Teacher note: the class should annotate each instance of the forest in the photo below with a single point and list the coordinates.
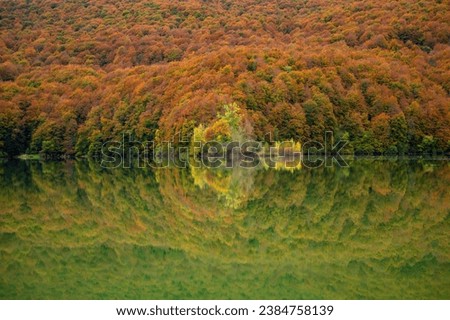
(75, 74)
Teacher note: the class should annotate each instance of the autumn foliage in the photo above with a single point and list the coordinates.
(75, 74)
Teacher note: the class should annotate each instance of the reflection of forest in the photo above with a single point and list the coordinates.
(377, 229)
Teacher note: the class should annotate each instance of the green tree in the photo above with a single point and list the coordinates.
(398, 133)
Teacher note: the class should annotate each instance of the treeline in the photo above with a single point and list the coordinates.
(77, 74)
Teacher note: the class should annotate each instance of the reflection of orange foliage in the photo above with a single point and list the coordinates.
(173, 189)
(219, 183)
(63, 205)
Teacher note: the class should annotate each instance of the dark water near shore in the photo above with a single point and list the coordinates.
(378, 229)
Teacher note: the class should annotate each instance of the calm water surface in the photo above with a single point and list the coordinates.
(378, 229)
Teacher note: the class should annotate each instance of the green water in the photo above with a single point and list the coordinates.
(378, 229)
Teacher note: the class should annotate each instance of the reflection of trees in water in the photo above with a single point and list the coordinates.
(369, 195)
(373, 219)
(234, 186)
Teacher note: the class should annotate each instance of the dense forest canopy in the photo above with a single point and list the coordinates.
(75, 74)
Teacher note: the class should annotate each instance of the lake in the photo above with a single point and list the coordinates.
(377, 229)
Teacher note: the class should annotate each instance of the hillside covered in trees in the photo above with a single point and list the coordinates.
(77, 73)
